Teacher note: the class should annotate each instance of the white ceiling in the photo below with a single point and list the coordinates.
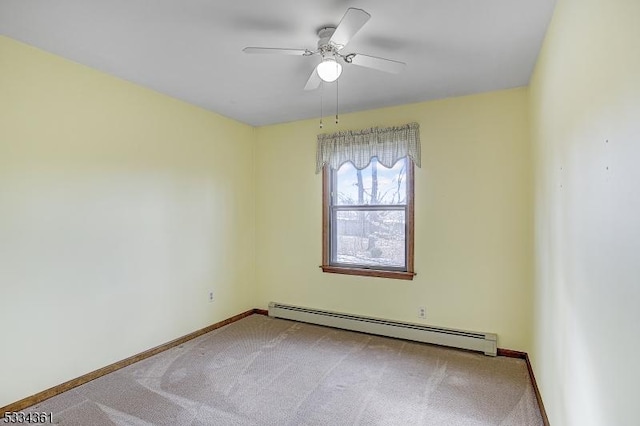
(192, 49)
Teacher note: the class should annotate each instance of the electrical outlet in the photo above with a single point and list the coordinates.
(422, 312)
(210, 296)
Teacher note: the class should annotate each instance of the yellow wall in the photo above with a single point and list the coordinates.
(119, 209)
(586, 134)
(473, 219)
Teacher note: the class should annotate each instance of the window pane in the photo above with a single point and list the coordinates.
(374, 184)
(371, 238)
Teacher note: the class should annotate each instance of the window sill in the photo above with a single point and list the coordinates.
(398, 275)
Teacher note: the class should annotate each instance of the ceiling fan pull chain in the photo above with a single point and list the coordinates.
(337, 101)
(321, 96)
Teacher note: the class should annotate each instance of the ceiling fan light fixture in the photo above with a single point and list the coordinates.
(329, 69)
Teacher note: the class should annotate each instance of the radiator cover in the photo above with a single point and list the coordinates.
(475, 341)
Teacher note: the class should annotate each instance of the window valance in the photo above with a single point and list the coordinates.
(388, 144)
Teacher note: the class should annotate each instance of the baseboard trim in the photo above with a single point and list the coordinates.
(56, 390)
(261, 312)
(525, 356)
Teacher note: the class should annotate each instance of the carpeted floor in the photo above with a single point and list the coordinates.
(265, 371)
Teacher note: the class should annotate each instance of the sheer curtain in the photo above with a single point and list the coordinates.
(388, 144)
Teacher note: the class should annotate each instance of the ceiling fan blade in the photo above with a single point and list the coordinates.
(274, 50)
(351, 22)
(381, 64)
(314, 81)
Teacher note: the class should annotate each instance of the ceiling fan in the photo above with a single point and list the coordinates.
(332, 41)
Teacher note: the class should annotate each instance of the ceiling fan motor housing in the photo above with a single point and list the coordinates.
(325, 35)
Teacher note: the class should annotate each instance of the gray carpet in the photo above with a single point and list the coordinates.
(265, 371)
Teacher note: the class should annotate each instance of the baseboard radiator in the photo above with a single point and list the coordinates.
(481, 342)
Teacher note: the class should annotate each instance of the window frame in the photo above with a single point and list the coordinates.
(328, 179)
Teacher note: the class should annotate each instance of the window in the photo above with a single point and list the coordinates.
(368, 219)
(367, 193)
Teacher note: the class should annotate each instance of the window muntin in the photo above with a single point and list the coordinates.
(369, 220)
